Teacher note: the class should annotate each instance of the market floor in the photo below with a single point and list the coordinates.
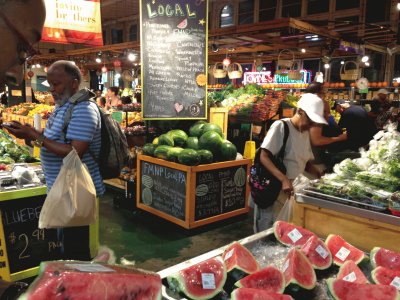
(155, 244)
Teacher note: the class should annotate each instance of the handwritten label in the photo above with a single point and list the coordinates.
(285, 266)
(322, 252)
(350, 277)
(208, 281)
(90, 268)
(343, 253)
(396, 282)
(295, 235)
(229, 254)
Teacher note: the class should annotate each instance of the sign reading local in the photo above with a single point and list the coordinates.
(174, 59)
(265, 77)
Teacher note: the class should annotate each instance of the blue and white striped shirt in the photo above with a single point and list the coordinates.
(85, 125)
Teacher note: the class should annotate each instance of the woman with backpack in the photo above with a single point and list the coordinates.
(297, 154)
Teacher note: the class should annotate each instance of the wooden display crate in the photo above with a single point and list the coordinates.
(192, 196)
(219, 116)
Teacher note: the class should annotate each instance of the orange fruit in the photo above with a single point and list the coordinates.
(379, 84)
(341, 84)
(384, 84)
(373, 84)
(395, 84)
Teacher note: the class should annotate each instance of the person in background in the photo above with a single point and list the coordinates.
(101, 102)
(98, 93)
(298, 156)
(82, 133)
(380, 109)
(138, 97)
(113, 99)
(4, 99)
(126, 100)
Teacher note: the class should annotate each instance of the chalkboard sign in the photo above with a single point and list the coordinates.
(25, 245)
(220, 191)
(174, 59)
(163, 188)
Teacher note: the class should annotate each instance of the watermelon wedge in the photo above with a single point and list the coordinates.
(201, 281)
(255, 294)
(345, 290)
(349, 271)
(385, 258)
(316, 251)
(298, 270)
(291, 235)
(238, 257)
(384, 276)
(269, 279)
(343, 251)
(86, 280)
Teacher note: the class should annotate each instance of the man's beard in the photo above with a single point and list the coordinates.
(63, 98)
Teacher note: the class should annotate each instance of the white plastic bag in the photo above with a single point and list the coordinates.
(72, 199)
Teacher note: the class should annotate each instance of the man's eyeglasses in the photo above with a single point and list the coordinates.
(24, 48)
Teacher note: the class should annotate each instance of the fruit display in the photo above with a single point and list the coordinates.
(298, 271)
(135, 130)
(30, 109)
(276, 85)
(217, 86)
(317, 253)
(350, 271)
(127, 92)
(256, 294)
(44, 97)
(381, 257)
(291, 235)
(132, 107)
(11, 152)
(269, 279)
(42, 109)
(342, 251)
(203, 144)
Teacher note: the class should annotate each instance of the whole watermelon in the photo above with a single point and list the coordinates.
(206, 157)
(212, 127)
(189, 157)
(197, 129)
(227, 151)
(166, 139)
(192, 143)
(179, 136)
(172, 153)
(148, 149)
(161, 151)
(211, 141)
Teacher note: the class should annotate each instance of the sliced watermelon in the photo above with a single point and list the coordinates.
(316, 251)
(349, 271)
(298, 270)
(238, 257)
(385, 258)
(343, 251)
(345, 290)
(201, 281)
(385, 276)
(269, 279)
(291, 235)
(255, 294)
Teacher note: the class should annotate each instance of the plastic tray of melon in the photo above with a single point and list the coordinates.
(267, 251)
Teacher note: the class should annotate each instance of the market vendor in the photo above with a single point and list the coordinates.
(380, 109)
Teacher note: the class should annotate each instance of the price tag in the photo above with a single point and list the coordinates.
(90, 268)
(322, 252)
(28, 185)
(343, 253)
(285, 266)
(229, 254)
(13, 187)
(295, 235)
(208, 281)
(351, 277)
(396, 282)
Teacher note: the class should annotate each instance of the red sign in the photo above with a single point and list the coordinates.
(257, 77)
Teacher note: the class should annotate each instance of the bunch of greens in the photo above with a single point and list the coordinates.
(347, 168)
(11, 152)
(379, 180)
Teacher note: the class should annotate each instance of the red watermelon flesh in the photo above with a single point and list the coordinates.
(255, 294)
(238, 257)
(269, 279)
(384, 276)
(84, 280)
(385, 258)
(291, 235)
(349, 271)
(317, 252)
(343, 251)
(345, 290)
(201, 281)
(298, 270)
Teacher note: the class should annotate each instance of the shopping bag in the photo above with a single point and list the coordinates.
(72, 199)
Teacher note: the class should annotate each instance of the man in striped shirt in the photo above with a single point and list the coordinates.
(83, 133)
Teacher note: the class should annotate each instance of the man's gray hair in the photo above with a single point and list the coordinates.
(70, 68)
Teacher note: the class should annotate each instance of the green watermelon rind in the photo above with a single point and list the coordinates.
(237, 266)
(227, 150)
(374, 251)
(172, 153)
(393, 256)
(165, 140)
(279, 239)
(375, 272)
(192, 143)
(161, 151)
(188, 157)
(179, 136)
(176, 283)
(361, 260)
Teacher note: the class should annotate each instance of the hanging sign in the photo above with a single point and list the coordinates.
(73, 21)
(265, 77)
(174, 59)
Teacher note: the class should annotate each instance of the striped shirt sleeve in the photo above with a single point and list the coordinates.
(84, 122)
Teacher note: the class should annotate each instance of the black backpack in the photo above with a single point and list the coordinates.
(114, 152)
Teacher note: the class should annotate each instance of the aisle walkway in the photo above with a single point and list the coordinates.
(155, 244)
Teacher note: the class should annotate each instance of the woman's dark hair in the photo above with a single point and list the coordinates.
(102, 101)
(114, 89)
(126, 99)
(315, 88)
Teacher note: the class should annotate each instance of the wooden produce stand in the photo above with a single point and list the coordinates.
(219, 116)
(22, 245)
(362, 228)
(192, 196)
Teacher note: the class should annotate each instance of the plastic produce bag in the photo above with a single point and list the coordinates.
(24, 175)
(72, 199)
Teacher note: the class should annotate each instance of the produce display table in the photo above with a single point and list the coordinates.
(192, 196)
(363, 228)
(22, 245)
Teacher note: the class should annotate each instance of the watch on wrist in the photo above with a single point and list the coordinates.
(39, 141)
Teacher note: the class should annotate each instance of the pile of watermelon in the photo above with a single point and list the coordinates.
(204, 144)
(238, 273)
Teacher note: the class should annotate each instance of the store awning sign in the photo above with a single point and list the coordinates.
(265, 77)
(73, 22)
